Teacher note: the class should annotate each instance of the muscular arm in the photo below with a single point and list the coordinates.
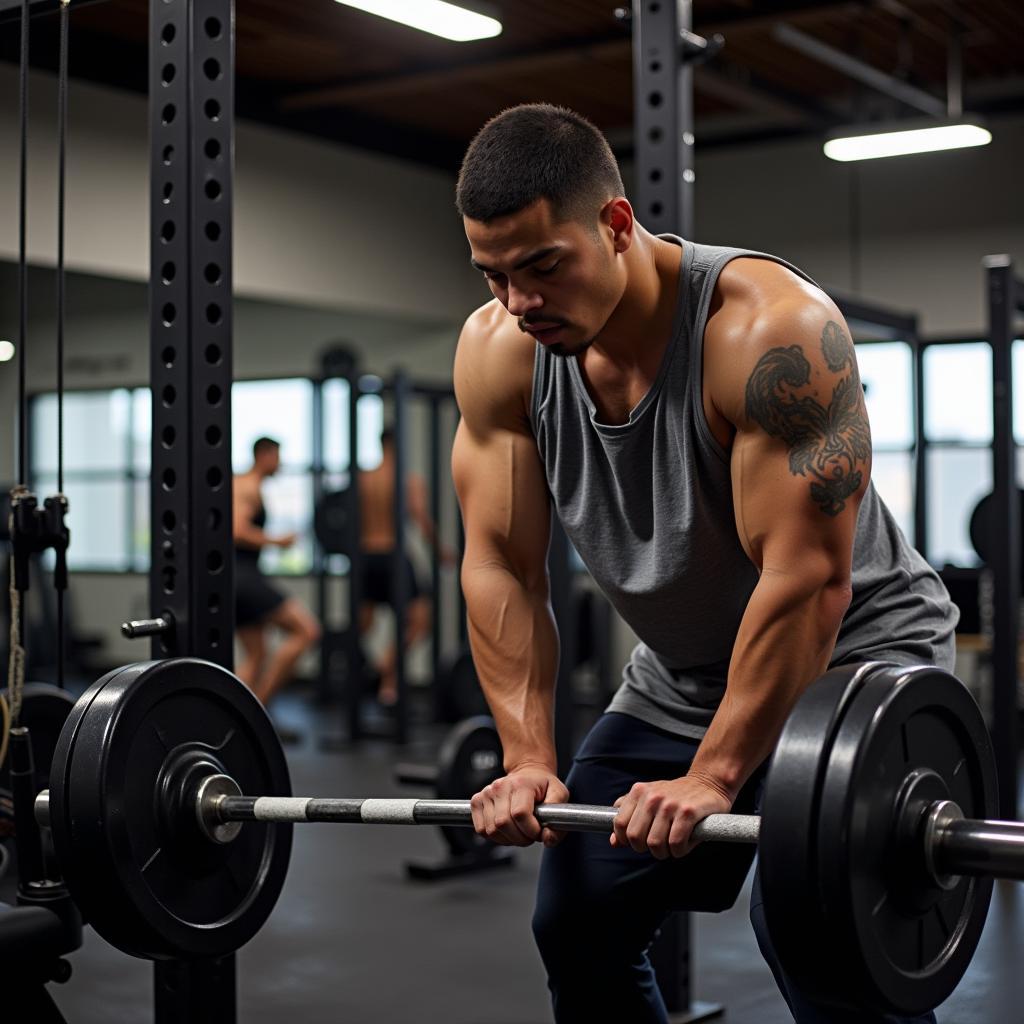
(800, 465)
(506, 512)
(785, 385)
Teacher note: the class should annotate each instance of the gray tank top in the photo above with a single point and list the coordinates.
(648, 506)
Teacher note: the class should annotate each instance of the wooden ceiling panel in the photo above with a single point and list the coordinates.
(324, 68)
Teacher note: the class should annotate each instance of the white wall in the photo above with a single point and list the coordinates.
(925, 221)
(314, 223)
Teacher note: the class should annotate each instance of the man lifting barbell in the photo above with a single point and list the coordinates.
(694, 415)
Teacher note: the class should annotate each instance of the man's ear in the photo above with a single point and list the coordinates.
(617, 220)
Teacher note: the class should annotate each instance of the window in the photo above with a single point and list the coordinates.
(958, 445)
(958, 441)
(886, 371)
(283, 410)
(101, 475)
(107, 459)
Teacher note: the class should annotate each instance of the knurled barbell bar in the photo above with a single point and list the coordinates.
(876, 855)
(952, 844)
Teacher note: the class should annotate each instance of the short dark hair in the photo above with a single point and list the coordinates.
(263, 444)
(537, 151)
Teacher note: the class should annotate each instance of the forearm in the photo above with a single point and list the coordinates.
(251, 536)
(515, 649)
(785, 642)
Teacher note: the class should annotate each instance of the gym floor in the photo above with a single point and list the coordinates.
(352, 939)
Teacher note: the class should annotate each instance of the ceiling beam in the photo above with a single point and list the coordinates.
(734, 84)
(814, 48)
(388, 87)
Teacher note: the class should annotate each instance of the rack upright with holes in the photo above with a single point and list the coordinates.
(191, 114)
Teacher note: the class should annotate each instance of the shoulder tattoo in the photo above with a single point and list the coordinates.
(830, 444)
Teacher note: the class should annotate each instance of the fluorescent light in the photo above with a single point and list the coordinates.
(6, 351)
(904, 139)
(442, 19)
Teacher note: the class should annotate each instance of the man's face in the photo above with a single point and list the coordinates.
(269, 461)
(560, 279)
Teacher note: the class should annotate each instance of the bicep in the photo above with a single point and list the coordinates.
(801, 458)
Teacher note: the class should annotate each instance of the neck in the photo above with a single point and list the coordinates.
(643, 317)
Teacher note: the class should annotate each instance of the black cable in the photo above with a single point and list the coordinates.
(22, 253)
(62, 133)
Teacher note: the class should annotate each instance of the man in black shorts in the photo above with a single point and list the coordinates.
(377, 503)
(258, 603)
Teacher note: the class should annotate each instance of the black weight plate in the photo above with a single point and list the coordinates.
(149, 885)
(331, 523)
(44, 710)
(787, 853)
(470, 758)
(460, 694)
(981, 528)
(900, 944)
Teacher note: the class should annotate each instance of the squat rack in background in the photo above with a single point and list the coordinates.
(1005, 295)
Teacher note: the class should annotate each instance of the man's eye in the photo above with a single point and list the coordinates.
(544, 271)
(497, 278)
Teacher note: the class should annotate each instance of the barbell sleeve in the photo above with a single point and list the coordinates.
(966, 846)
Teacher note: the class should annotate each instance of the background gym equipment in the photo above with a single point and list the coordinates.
(337, 530)
(1005, 304)
(44, 710)
(875, 829)
(470, 758)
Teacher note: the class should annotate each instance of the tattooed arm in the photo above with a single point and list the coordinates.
(801, 459)
(782, 392)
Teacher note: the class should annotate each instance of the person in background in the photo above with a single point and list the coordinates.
(377, 525)
(259, 605)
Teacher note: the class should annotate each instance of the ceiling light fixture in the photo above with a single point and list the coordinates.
(6, 351)
(904, 138)
(435, 16)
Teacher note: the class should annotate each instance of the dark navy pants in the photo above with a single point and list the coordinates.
(598, 907)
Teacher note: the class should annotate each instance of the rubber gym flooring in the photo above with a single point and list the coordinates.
(352, 940)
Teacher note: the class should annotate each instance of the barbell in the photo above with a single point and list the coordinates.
(171, 815)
